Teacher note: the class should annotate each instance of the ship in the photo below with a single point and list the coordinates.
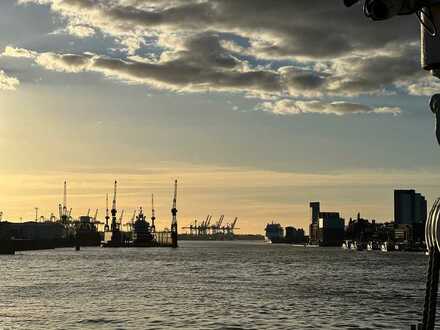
(143, 235)
(86, 232)
(275, 233)
(32, 235)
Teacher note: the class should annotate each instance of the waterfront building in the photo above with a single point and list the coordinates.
(315, 209)
(331, 229)
(410, 207)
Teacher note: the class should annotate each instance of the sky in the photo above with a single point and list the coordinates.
(257, 107)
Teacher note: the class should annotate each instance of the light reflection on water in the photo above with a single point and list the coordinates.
(211, 285)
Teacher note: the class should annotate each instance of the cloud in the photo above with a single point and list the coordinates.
(7, 82)
(18, 52)
(80, 31)
(289, 50)
(292, 107)
(289, 28)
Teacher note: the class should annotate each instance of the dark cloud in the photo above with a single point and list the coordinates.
(222, 45)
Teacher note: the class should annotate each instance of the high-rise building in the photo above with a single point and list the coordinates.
(410, 207)
(313, 229)
(315, 209)
(330, 229)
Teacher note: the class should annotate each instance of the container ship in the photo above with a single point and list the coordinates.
(275, 234)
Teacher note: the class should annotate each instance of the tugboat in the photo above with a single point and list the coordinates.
(142, 231)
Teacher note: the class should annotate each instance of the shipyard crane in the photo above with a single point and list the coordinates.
(95, 216)
(107, 217)
(65, 199)
(114, 210)
(60, 211)
(174, 220)
(133, 217)
(121, 217)
(88, 213)
(153, 215)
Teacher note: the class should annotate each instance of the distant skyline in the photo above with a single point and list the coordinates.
(255, 107)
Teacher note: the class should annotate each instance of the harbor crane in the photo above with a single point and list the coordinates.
(121, 218)
(153, 215)
(62, 208)
(107, 217)
(174, 234)
(95, 217)
(114, 210)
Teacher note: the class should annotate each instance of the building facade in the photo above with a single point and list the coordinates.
(410, 207)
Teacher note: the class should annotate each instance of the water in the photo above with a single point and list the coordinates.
(211, 285)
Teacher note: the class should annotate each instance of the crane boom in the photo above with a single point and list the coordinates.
(114, 196)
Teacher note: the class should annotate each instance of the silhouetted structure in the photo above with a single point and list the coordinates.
(410, 207)
(330, 229)
(410, 214)
(327, 228)
(275, 234)
(205, 231)
(174, 233)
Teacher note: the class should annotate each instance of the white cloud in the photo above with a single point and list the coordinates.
(7, 82)
(293, 107)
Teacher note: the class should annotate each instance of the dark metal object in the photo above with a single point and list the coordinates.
(379, 10)
(434, 104)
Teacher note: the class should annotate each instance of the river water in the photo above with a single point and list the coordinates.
(211, 285)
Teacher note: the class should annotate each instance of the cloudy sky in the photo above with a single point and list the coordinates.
(256, 106)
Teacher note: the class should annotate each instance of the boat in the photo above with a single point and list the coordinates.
(387, 247)
(143, 235)
(373, 246)
(274, 233)
(86, 232)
